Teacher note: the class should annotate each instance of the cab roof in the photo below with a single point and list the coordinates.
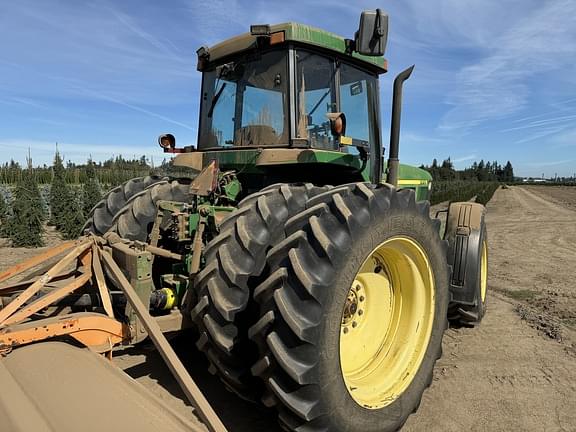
(303, 34)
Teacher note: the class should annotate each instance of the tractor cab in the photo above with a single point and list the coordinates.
(290, 86)
(287, 95)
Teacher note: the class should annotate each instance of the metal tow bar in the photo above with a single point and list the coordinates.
(185, 381)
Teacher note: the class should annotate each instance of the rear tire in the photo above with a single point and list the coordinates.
(101, 216)
(305, 306)
(134, 221)
(235, 263)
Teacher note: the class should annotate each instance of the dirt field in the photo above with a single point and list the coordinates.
(517, 371)
(563, 195)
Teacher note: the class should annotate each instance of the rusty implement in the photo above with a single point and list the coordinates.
(88, 265)
(93, 330)
(34, 261)
(41, 282)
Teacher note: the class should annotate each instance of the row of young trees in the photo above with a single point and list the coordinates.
(480, 171)
(113, 171)
(23, 219)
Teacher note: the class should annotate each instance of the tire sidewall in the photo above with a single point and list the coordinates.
(344, 413)
(480, 305)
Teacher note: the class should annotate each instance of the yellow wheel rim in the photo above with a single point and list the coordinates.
(387, 322)
(484, 271)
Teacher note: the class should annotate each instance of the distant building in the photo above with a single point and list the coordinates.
(534, 180)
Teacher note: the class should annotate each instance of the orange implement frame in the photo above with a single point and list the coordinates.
(34, 261)
(93, 330)
(13, 306)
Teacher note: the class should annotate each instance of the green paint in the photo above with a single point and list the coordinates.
(193, 221)
(232, 189)
(314, 36)
(412, 172)
(417, 179)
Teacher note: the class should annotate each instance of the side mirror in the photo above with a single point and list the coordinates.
(167, 142)
(337, 123)
(372, 35)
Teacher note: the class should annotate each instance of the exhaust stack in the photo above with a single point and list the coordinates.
(393, 161)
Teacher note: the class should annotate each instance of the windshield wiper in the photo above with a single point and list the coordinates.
(215, 100)
(225, 69)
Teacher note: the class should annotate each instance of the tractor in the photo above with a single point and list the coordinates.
(308, 265)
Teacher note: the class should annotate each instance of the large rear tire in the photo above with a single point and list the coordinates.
(353, 312)
(235, 264)
(101, 216)
(135, 220)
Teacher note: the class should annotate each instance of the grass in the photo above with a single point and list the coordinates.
(524, 294)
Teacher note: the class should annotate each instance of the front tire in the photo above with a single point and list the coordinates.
(468, 257)
(376, 237)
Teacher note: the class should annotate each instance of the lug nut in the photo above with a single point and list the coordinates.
(361, 298)
(354, 324)
(345, 330)
(360, 312)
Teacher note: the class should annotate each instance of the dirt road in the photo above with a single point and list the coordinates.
(516, 372)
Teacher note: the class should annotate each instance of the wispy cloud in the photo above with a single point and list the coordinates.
(166, 47)
(421, 138)
(548, 164)
(498, 85)
(469, 157)
(120, 102)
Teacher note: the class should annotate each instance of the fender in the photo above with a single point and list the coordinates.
(465, 233)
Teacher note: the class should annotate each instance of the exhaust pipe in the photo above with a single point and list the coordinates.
(393, 161)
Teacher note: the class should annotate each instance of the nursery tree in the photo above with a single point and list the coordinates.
(26, 223)
(59, 193)
(4, 217)
(91, 192)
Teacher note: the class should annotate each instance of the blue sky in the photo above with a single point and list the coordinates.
(494, 79)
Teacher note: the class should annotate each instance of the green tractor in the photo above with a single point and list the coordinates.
(310, 267)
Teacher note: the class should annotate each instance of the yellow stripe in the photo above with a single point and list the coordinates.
(412, 182)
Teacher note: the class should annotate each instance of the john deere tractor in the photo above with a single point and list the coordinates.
(310, 267)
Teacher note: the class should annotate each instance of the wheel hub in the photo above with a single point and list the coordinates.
(386, 322)
(353, 309)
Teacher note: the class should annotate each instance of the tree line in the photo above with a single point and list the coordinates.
(113, 171)
(479, 171)
(74, 189)
(23, 219)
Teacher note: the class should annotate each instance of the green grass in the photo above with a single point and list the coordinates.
(524, 294)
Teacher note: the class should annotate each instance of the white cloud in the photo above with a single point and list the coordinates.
(465, 158)
(548, 164)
